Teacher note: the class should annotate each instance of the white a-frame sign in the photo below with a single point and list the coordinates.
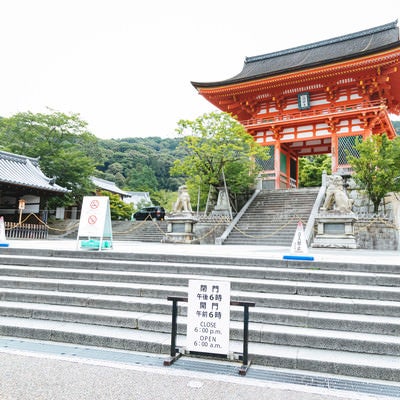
(95, 229)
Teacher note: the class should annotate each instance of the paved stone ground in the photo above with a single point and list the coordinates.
(44, 377)
(274, 252)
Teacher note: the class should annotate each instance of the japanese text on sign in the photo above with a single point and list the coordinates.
(208, 316)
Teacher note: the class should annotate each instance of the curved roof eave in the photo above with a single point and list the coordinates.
(389, 41)
(233, 81)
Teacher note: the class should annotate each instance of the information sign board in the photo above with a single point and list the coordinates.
(299, 243)
(208, 316)
(3, 240)
(95, 221)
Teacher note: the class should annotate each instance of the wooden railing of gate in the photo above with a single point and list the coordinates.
(15, 230)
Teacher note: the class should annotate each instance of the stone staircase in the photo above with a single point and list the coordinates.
(340, 318)
(144, 231)
(272, 217)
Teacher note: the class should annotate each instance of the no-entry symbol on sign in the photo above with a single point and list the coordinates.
(95, 217)
(94, 204)
(92, 219)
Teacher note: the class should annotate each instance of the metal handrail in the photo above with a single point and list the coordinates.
(309, 230)
(220, 240)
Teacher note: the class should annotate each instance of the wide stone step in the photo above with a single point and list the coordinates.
(245, 237)
(128, 311)
(168, 274)
(147, 231)
(84, 315)
(119, 260)
(322, 303)
(288, 303)
(274, 224)
(273, 233)
(341, 362)
(143, 282)
(99, 301)
(278, 229)
(255, 241)
(286, 309)
(131, 266)
(258, 332)
(92, 287)
(274, 217)
(375, 324)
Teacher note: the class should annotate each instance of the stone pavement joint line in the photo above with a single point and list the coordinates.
(191, 364)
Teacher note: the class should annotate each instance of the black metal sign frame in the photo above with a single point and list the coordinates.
(175, 354)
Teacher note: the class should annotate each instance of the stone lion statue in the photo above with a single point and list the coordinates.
(336, 197)
(393, 198)
(182, 204)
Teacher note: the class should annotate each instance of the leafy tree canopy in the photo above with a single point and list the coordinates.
(311, 169)
(377, 167)
(60, 140)
(214, 145)
(119, 210)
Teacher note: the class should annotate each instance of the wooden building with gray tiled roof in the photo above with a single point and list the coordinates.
(315, 99)
(22, 179)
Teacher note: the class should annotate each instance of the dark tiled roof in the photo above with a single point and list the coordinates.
(25, 171)
(323, 52)
(109, 186)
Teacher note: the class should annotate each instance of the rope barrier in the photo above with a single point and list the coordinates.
(375, 220)
(135, 227)
(217, 222)
(22, 222)
(294, 218)
(211, 230)
(158, 227)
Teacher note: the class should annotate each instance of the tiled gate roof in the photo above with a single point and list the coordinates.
(25, 171)
(340, 48)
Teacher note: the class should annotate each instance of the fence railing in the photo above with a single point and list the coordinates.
(313, 113)
(15, 230)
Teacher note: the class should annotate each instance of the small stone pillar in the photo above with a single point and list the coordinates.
(180, 228)
(335, 231)
(223, 207)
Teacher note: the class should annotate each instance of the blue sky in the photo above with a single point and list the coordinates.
(125, 66)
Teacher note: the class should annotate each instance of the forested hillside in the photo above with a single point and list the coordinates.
(143, 164)
(140, 164)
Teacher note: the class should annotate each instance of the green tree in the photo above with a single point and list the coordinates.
(142, 179)
(164, 198)
(61, 141)
(311, 169)
(118, 209)
(377, 167)
(215, 145)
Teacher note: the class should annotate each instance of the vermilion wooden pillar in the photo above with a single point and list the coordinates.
(277, 165)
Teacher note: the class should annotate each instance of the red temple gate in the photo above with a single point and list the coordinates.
(315, 99)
